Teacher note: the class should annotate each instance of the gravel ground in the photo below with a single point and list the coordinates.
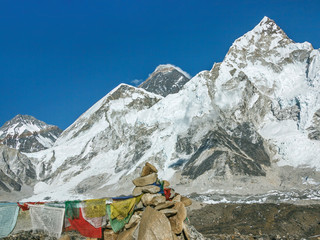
(256, 221)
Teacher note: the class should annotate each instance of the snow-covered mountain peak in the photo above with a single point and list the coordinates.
(28, 134)
(270, 60)
(22, 124)
(166, 79)
(168, 68)
(267, 24)
(115, 104)
(263, 40)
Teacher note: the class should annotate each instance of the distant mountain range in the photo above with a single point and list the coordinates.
(249, 125)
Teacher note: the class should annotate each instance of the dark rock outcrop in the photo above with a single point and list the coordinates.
(165, 80)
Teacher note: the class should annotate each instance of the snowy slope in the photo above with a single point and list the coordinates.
(254, 118)
(97, 143)
(288, 74)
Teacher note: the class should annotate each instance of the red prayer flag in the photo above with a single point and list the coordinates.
(85, 228)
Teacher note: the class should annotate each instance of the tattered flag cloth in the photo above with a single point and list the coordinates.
(121, 209)
(115, 223)
(25, 206)
(167, 193)
(72, 209)
(8, 218)
(48, 219)
(95, 208)
(85, 228)
(23, 222)
(97, 222)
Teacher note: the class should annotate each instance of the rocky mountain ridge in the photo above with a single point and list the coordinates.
(28, 134)
(249, 125)
(166, 79)
(16, 170)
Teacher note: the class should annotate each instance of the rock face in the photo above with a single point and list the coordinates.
(166, 79)
(154, 225)
(28, 134)
(239, 123)
(16, 170)
(177, 220)
(145, 189)
(145, 180)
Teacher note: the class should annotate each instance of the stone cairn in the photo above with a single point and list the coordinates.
(155, 217)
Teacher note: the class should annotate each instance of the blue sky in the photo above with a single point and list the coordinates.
(57, 58)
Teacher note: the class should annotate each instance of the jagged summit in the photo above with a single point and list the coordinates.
(23, 123)
(28, 134)
(268, 27)
(267, 24)
(169, 67)
(166, 79)
(264, 37)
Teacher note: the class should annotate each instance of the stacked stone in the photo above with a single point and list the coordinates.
(155, 218)
(144, 183)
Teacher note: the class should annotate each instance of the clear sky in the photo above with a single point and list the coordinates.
(57, 58)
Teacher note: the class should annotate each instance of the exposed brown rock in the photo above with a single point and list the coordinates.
(185, 232)
(139, 212)
(109, 234)
(147, 198)
(136, 231)
(152, 199)
(148, 169)
(177, 198)
(186, 201)
(166, 184)
(134, 220)
(64, 237)
(146, 180)
(167, 204)
(154, 226)
(145, 189)
(177, 220)
(169, 212)
(139, 206)
(128, 234)
(174, 236)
